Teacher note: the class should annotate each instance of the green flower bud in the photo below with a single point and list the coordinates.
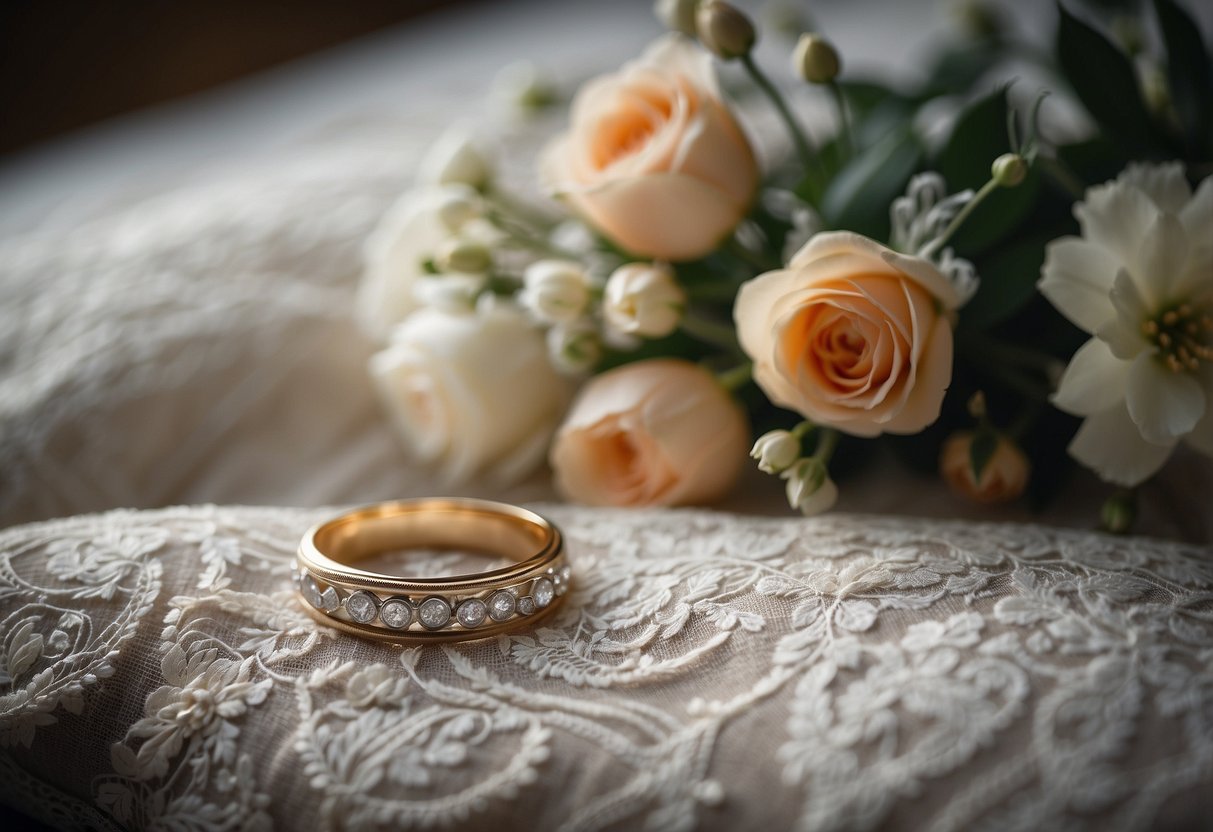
(677, 15)
(1009, 169)
(816, 60)
(724, 30)
(463, 256)
(1119, 512)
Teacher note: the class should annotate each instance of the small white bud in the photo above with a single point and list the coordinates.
(454, 159)
(449, 292)
(458, 208)
(677, 15)
(555, 291)
(463, 256)
(775, 451)
(525, 86)
(574, 348)
(643, 299)
(810, 488)
(815, 59)
(1009, 170)
(725, 30)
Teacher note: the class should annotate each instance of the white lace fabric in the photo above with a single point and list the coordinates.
(709, 671)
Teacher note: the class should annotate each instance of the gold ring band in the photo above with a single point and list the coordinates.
(420, 610)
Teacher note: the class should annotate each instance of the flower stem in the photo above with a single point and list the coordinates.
(957, 221)
(734, 379)
(508, 203)
(803, 150)
(525, 238)
(1063, 176)
(826, 445)
(844, 120)
(712, 332)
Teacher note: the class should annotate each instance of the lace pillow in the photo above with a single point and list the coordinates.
(709, 671)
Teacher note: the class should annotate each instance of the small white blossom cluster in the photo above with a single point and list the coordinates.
(809, 487)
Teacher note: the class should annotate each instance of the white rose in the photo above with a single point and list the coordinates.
(455, 160)
(410, 233)
(643, 299)
(555, 291)
(472, 393)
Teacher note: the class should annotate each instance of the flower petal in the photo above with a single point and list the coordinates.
(1111, 445)
(1115, 216)
(1197, 215)
(636, 213)
(1164, 184)
(1201, 437)
(1161, 260)
(1164, 405)
(1094, 381)
(1123, 333)
(1076, 278)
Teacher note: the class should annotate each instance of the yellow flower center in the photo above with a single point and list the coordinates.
(1183, 336)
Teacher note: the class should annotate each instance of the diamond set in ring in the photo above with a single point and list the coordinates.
(436, 612)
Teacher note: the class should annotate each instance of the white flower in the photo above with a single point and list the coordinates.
(810, 488)
(203, 693)
(643, 299)
(775, 451)
(555, 291)
(455, 160)
(376, 685)
(411, 233)
(472, 392)
(1140, 280)
(575, 347)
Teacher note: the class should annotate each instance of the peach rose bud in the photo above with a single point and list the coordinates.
(851, 335)
(1003, 478)
(653, 433)
(653, 158)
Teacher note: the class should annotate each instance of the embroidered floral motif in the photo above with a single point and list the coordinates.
(965, 674)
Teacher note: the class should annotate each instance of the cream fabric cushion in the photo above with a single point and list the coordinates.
(708, 671)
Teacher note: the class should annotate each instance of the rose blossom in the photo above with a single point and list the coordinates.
(1003, 478)
(653, 158)
(658, 432)
(851, 335)
(472, 392)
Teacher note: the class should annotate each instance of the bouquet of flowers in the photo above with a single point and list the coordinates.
(983, 297)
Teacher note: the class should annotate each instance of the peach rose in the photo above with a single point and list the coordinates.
(1002, 480)
(851, 335)
(653, 158)
(654, 433)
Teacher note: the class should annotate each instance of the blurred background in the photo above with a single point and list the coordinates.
(69, 63)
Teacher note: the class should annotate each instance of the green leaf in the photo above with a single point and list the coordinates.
(1008, 281)
(981, 449)
(1190, 76)
(1106, 83)
(1094, 161)
(858, 198)
(978, 138)
(957, 69)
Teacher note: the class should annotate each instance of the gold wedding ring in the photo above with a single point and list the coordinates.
(417, 609)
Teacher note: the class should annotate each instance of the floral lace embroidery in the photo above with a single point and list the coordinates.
(821, 674)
